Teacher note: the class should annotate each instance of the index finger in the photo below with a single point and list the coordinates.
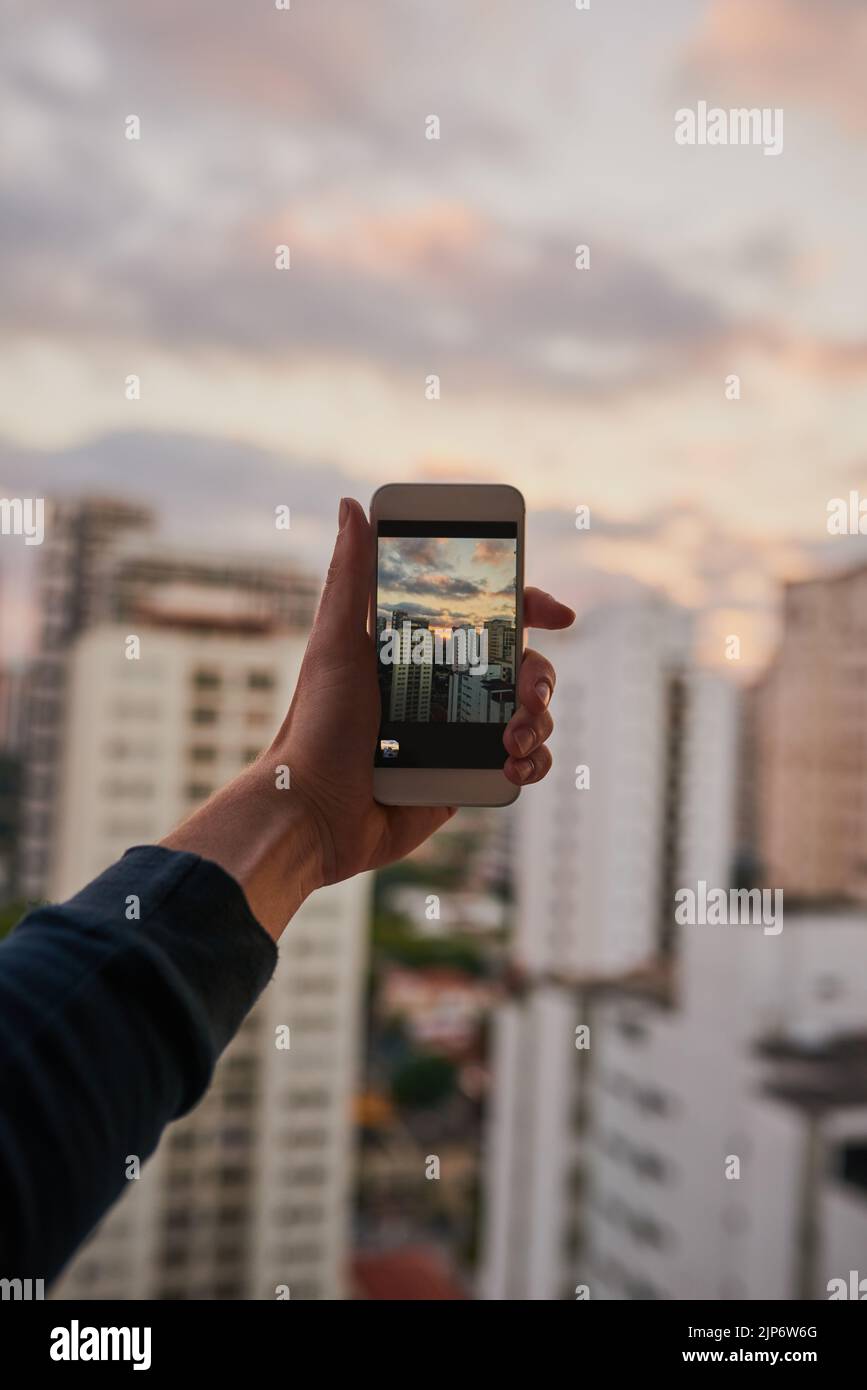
(543, 610)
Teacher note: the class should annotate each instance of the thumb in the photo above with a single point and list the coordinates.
(345, 600)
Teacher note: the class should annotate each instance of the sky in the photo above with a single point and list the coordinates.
(455, 257)
(447, 582)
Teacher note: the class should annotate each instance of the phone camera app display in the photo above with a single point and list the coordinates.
(446, 637)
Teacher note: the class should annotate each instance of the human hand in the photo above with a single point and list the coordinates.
(282, 843)
(329, 735)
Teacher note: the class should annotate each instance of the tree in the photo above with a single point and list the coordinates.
(423, 1082)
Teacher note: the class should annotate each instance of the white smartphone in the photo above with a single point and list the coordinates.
(447, 618)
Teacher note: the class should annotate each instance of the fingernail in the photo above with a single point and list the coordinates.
(523, 740)
(543, 690)
(343, 514)
(524, 768)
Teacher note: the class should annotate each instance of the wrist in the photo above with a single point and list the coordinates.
(266, 836)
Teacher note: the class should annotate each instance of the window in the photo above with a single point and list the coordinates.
(229, 1289)
(232, 1215)
(306, 1138)
(175, 1256)
(649, 1165)
(312, 1175)
(646, 1231)
(206, 680)
(317, 984)
(306, 1254)
(853, 1165)
(183, 1139)
(197, 791)
(631, 1028)
(177, 1219)
(309, 1100)
(118, 787)
(230, 1253)
(654, 1102)
(296, 1215)
(231, 1174)
(260, 680)
(306, 1289)
(238, 1100)
(203, 753)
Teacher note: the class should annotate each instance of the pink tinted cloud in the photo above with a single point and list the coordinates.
(771, 51)
(430, 238)
(492, 552)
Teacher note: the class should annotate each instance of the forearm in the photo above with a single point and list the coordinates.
(113, 1010)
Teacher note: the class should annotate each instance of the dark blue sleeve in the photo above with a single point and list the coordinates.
(109, 1029)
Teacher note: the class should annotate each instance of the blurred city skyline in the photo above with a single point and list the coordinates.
(454, 257)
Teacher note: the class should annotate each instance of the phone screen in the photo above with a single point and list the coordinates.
(446, 637)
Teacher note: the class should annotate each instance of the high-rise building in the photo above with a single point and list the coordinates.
(411, 681)
(686, 1116)
(80, 536)
(723, 1154)
(250, 1191)
(640, 800)
(95, 568)
(15, 686)
(811, 743)
(501, 645)
(206, 592)
(599, 838)
(475, 699)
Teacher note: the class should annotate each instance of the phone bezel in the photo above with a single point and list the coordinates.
(458, 786)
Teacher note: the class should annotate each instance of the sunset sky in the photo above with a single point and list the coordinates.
(447, 581)
(456, 257)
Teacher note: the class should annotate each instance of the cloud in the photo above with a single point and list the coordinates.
(429, 551)
(405, 290)
(768, 52)
(306, 128)
(262, 127)
(492, 552)
(403, 579)
(205, 491)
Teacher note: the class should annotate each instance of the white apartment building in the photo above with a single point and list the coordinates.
(411, 685)
(811, 707)
(251, 1191)
(476, 699)
(594, 864)
(640, 800)
(761, 1063)
(411, 682)
(81, 537)
(99, 564)
(501, 644)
